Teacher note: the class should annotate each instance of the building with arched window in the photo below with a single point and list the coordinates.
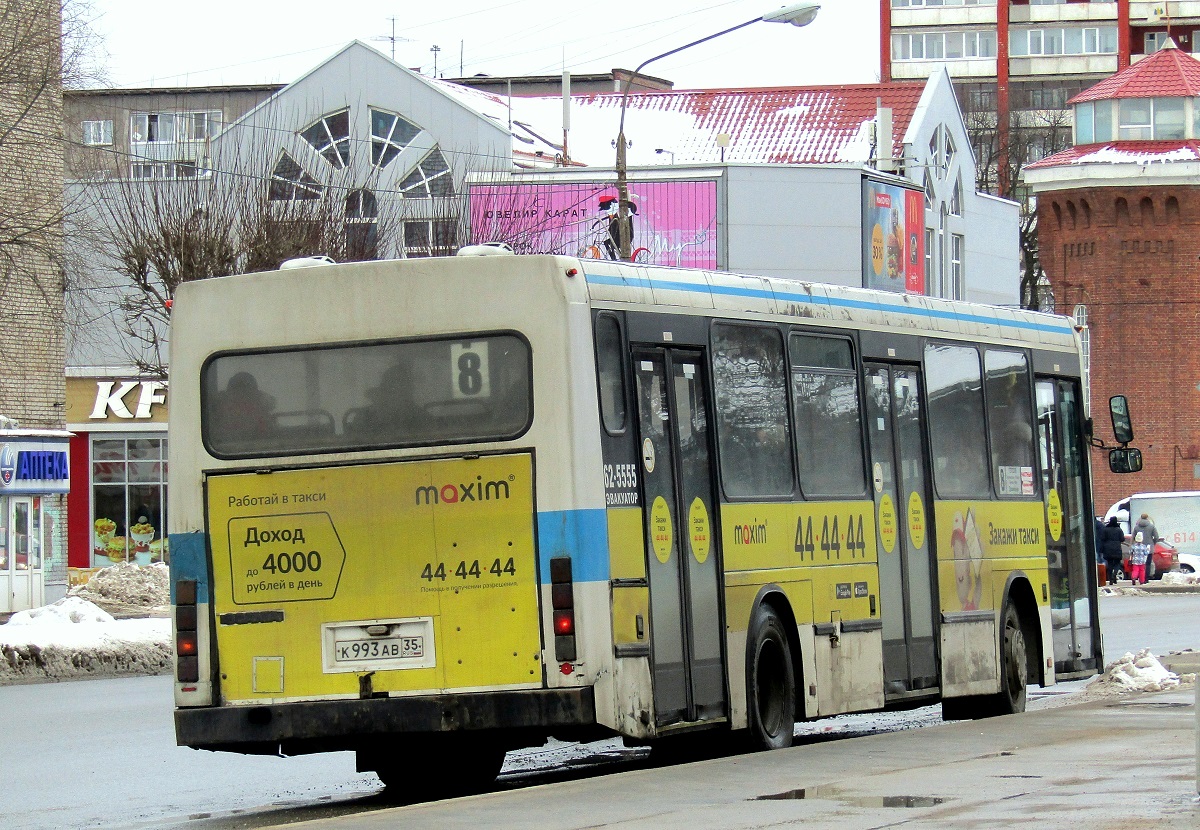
(361, 158)
(1119, 231)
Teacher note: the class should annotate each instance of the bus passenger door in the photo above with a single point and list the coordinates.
(1069, 526)
(682, 554)
(903, 510)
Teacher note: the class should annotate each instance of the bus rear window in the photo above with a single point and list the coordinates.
(364, 396)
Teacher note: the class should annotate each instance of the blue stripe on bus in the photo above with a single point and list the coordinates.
(579, 534)
(841, 302)
(189, 560)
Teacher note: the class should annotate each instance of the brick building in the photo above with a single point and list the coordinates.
(1118, 223)
(32, 395)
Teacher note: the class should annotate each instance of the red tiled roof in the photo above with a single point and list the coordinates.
(1169, 72)
(1119, 152)
(788, 125)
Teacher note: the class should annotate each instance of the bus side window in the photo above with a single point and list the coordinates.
(955, 389)
(1010, 422)
(610, 372)
(750, 382)
(829, 445)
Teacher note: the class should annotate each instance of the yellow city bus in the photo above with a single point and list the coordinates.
(432, 510)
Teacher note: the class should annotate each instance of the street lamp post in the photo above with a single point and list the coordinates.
(798, 14)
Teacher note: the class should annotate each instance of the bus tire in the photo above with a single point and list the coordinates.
(1014, 678)
(443, 771)
(770, 682)
(1014, 665)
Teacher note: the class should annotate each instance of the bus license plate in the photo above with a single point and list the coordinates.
(378, 648)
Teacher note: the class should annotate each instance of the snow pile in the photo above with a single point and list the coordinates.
(1138, 673)
(126, 587)
(66, 610)
(1172, 578)
(73, 638)
(1123, 591)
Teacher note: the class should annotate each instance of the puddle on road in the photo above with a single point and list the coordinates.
(831, 794)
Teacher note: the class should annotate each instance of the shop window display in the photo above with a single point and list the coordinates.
(129, 500)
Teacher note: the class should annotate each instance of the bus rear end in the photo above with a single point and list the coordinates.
(355, 559)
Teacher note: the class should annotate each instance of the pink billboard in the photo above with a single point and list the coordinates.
(674, 223)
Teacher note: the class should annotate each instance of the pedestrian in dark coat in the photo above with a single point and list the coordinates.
(1110, 544)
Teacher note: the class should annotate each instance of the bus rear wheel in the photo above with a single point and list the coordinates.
(437, 769)
(770, 682)
(1014, 678)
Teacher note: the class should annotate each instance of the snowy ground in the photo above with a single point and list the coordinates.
(80, 636)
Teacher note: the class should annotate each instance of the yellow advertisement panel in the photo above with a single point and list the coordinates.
(408, 576)
(980, 543)
(829, 545)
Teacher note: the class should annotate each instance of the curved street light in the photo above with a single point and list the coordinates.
(798, 14)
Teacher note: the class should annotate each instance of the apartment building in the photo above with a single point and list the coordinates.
(1026, 56)
(153, 133)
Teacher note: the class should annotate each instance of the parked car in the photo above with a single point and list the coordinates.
(1189, 563)
(1164, 558)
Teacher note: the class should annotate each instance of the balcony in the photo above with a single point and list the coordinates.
(1062, 65)
(1066, 12)
(944, 16)
(959, 69)
(1182, 11)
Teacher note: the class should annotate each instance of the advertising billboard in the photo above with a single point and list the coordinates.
(674, 222)
(893, 237)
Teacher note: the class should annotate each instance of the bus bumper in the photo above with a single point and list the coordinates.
(329, 725)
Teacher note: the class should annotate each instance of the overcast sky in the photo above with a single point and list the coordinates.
(252, 41)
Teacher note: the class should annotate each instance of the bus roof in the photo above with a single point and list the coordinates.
(612, 282)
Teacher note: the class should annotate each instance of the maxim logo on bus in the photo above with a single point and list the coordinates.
(477, 490)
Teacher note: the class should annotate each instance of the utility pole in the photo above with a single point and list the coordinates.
(435, 49)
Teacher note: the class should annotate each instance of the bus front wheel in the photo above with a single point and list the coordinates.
(770, 682)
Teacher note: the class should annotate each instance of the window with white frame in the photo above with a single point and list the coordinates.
(129, 499)
(1134, 119)
(390, 134)
(958, 246)
(1154, 41)
(956, 197)
(1093, 122)
(917, 46)
(424, 237)
(330, 136)
(928, 185)
(97, 133)
(1139, 119)
(1069, 40)
(937, 4)
(929, 237)
(1169, 118)
(290, 182)
(173, 127)
(432, 177)
(165, 170)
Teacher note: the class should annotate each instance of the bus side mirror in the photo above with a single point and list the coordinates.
(1122, 425)
(1125, 460)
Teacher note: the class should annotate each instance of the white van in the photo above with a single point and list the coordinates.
(1176, 516)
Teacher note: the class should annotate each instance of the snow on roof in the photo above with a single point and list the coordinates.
(781, 125)
(1169, 72)
(1122, 152)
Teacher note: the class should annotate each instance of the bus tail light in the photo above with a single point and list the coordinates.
(562, 598)
(187, 644)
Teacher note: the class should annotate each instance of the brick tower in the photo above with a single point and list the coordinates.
(1119, 232)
